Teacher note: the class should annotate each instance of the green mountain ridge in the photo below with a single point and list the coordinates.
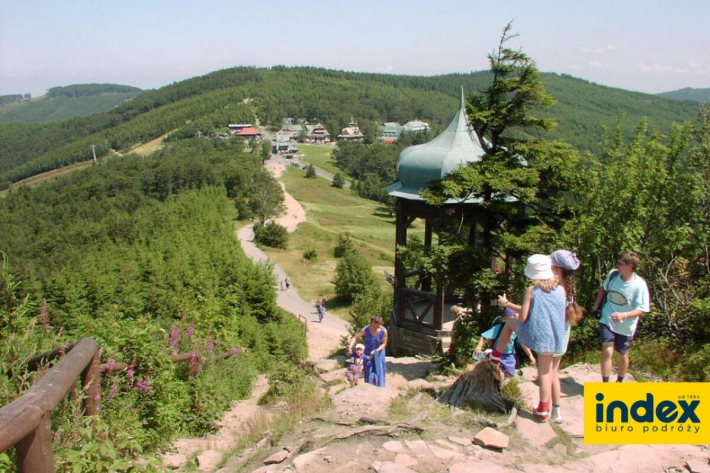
(688, 93)
(245, 94)
(61, 103)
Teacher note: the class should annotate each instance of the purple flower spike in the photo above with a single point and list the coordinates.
(129, 375)
(113, 392)
(174, 337)
(143, 386)
(232, 351)
(190, 330)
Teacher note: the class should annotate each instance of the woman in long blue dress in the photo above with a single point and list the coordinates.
(375, 343)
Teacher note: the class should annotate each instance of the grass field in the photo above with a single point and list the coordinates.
(319, 156)
(332, 211)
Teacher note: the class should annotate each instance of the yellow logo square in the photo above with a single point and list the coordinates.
(647, 413)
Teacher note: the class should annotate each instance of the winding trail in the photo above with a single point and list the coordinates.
(323, 337)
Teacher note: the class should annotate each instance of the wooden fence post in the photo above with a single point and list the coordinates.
(34, 452)
(91, 386)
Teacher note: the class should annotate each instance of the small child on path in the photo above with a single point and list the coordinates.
(357, 359)
(508, 359)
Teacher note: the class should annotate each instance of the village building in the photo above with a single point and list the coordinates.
(317, 134)
(292, 131)
(248, 133)
(389, 132)
(416, 126)
(351, 132)
(281, 142)
(235, 127)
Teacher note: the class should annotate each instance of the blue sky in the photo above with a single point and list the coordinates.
(649, 46)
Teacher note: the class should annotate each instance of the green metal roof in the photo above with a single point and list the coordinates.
(418, 165)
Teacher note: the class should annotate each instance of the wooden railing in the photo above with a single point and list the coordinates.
(25, 422)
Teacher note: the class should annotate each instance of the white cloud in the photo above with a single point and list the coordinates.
(596, 49)
(691, 67)
(594, 64)
(644, 67)
(693, 64)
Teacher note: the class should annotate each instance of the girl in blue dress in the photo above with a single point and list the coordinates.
(375, 336)
(540, 325)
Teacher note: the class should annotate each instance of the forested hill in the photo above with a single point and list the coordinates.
(694, 95)
(240, 95)
(90, 90)
(72, 101)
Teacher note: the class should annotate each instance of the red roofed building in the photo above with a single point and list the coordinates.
(249, 132)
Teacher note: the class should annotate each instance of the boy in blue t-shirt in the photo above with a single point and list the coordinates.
(508, 359)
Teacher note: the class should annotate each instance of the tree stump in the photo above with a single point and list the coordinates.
(481, 384)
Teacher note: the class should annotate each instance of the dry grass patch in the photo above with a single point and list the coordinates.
(149, 147)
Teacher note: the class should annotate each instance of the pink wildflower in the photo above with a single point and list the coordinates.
(143, 386)
(113, 392)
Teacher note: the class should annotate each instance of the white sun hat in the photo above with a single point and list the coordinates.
(539, 267)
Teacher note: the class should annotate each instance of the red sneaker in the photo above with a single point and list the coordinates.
(542, 415)
(492, 357)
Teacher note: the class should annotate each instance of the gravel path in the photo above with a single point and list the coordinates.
(323, 337)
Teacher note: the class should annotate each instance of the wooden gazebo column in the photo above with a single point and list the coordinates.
(400, 240)
(426, 280)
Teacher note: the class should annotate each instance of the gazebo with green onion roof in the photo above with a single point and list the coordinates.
(421, 322)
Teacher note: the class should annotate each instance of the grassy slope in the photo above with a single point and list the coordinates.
(318, 155)
(331, 211)
(43, 109)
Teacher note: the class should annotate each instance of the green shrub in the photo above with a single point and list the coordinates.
(654, 356)
(343, 245)
(338, 180)
(354, 277)
(311, 172)
(310, 254)
(697, 366)
(272, 234)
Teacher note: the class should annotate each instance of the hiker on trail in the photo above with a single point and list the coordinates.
(357, 361)
(375, 342)
(320, 310)
(540, 326)
(287, 282)
(622, 299)
(322, 303)
(508, 358)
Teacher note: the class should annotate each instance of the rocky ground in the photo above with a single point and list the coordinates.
(403, 428)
